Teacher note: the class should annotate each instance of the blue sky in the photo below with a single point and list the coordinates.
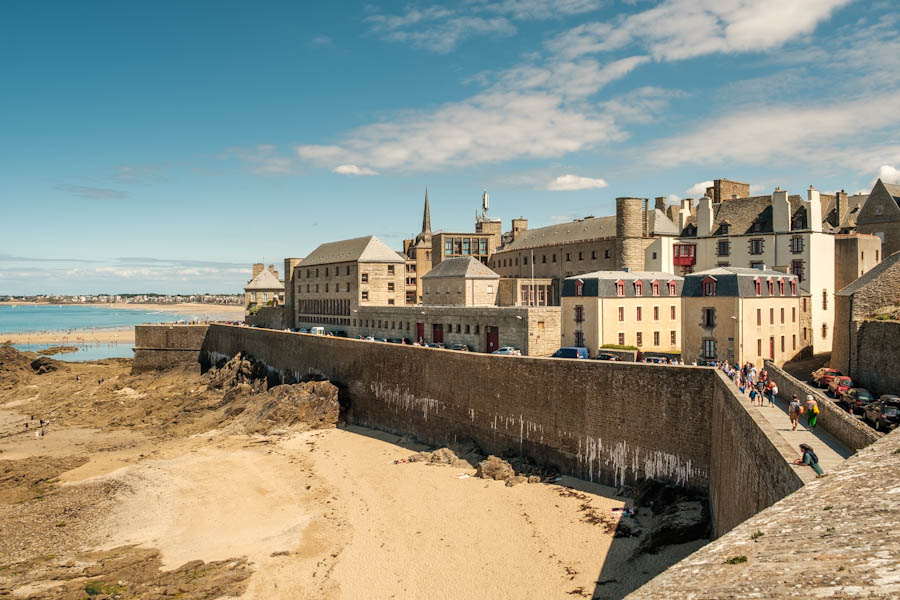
(165, 146)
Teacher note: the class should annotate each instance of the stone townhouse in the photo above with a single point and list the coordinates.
(640, 309)
(741, 314)
(778, 231)
(338, 278)
(264, 289)
(880, 216)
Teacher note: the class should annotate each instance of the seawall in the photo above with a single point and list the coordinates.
(163, 346)
(610, 422)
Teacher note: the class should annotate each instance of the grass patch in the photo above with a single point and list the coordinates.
(736, 560)
(95, 588)
(756, 535)
(619, 347)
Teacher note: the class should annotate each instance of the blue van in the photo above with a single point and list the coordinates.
(571, 352)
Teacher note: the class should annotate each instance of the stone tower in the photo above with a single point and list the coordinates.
(629, 234)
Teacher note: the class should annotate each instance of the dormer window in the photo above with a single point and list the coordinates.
(799, 220)
(723, 229)
(690, 231)
(620, 288)
(579, 288)
(781, 287)
(709, 286)
(638, 288)
(793, 287)
(771, 287)
(756, 227)
(757, 285)
(654, 288)
(672, 288)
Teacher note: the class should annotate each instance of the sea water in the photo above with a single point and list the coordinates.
(27, 318)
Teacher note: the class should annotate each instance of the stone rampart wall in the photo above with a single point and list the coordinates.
(615, 423)
(832, 418)
(270, 317)
(877, 356)
(163, 346)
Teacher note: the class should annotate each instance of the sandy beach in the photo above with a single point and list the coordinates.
(124, 335)
(144, 484)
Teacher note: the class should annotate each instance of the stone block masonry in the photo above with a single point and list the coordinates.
(163, 346)
(608, 422)
(877, 356)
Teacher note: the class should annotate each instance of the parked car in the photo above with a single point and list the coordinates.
(606, 356)
(338, 333)
(884, 414)
(460, 347)
(571, 352)
(380, 340)
(855, 399)
(507, 350)
(839, 384)
(395, 341)
(317, 330)
(434, 345)
(822, 377)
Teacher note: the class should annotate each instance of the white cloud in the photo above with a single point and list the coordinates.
(569, 182)
(680, 29)
(673, 199)
(321, 40)
(698, 189)
(265, 160)
(888, 174)
(353, 170)
(436, 28)
(540, 9)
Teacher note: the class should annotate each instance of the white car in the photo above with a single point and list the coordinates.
(507, 350)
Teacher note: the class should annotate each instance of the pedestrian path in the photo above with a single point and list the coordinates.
(830, 451)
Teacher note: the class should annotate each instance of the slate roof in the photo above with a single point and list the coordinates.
(737, 281)
(265, 281)
(363, 249)
(463, 266)
(602, 284)
(741, 213)
(872, 275)
(565, 233)
(894, 190)
(848, 220)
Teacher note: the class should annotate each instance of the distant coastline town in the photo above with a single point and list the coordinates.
(221, 299)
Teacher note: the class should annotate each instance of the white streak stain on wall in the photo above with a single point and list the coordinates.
(401, 400)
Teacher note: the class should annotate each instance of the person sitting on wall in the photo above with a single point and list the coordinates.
(809, 458)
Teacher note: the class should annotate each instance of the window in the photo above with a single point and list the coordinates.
(621, 339)
(758, 317)
(759, 347)
(709, 317)
(348, 269)
(709, 287)
(656, 338)
(477, 329)
(637, 313)
(656, 313)
(579, 288)
(568, 257)
(757, 285)
(620, 288)
(579, 338)
(723, 248)
(553, 256)
(364, 278)
(794, 342)
(758, 265)
(771, 316)
(781, 287)
(390, 286)
(544, 258)
(793, 287)
(782, 344)
(483, 246)
(782, 319)
(581, 256)
(804, 305)
(465, 246)
(621, 314)
(525, 261)
(579, 313)
(824, 330)
(638, 288)
(672, 312)
(796, 244)
(317, 288)
(593, 255)
(606, 253)
(797, 269)
(390, 269)
(326, 271)
(799, 220)
(672, 337)
(467, 328)
(365, 296)
(756, 246)
(876, 256)
(771, 284)
(326, 288)
(448, 246)
(654, 288)
(824, 299)
(709, 348)
(673, 288)
(640, 339)
(756, 226)
(793, 314)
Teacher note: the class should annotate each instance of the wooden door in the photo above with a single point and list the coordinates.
(437, 333)
(420, 332)
(492, 335)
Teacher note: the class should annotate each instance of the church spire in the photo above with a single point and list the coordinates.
(426, 218)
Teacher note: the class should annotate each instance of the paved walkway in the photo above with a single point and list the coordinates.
(830, 451)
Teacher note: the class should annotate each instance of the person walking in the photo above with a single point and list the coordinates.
(812, 412)
(771, 392)
(794, 410)
(809, 457)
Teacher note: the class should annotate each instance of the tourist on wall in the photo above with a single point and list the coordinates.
(771, 392)
(809, 458)
(812, 412)
(794, 412)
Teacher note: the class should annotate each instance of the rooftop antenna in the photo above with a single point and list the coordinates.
(485, 200)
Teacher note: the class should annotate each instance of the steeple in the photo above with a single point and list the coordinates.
(426, 218)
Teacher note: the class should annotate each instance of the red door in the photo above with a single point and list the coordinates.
(493, 338)
(420, 332)
(437, 333)
(772, 348)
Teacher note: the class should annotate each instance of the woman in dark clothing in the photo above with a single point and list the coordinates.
(809, 458)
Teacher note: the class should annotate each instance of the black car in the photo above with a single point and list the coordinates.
(884, 415)
(606, 356)
(855, 400)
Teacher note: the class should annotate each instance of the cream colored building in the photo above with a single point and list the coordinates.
(264, 289)
(855, 254)
(740, 315)
(460, 282)
(641, 309)
(338, 278)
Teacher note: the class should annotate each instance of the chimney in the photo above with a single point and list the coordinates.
(518, 226)
(781, 211)
(840, 206)
(273, 271)
(704, 217)
(687, 210)
(661, 203)
(814, 210)
(257, 269)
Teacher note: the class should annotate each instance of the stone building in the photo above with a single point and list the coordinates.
(855, 305)
(418, 258)
(636, 238)
(778, 231)
(880, 215)
(460, 282)
(725, 189)
(854, 255)
(740, 314)
(639, 309)
(264, 289)
(338, 278)
(289, 265)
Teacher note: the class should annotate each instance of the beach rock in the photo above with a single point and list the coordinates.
(495, 468)
(311, 405)
(680, 523)
(43, 365)
(658, 496)
(441, 456)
